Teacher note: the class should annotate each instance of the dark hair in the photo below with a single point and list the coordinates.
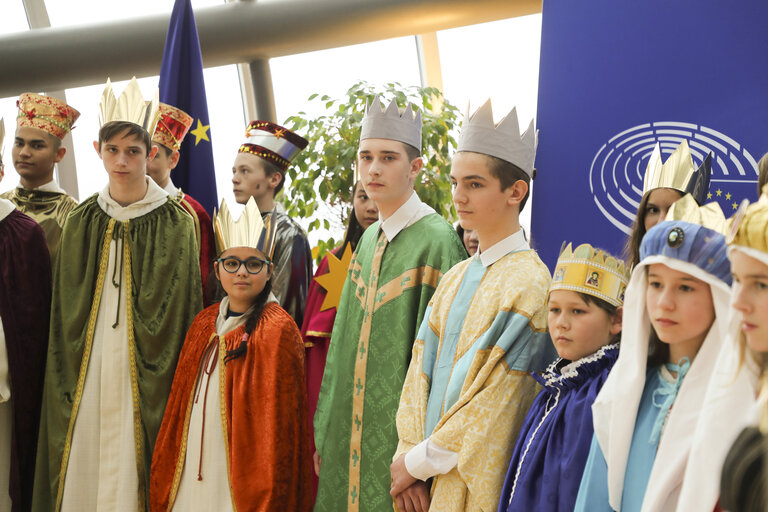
(762, 178)
(113, 128)
(508, 173)
(168, 151)
(270, 169)
(632, 245)
(605, 306)
(411, 152)
(658, 351)
(460, 231)
(354, 229)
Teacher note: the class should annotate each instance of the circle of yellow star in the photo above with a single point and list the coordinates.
(728, 196)
(719, 192)
(201, 132)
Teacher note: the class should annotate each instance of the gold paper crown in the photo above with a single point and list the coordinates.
(749, 226)
(130, 107)
(250, 230)
(591, 271)
(678, 172)
(710, 215)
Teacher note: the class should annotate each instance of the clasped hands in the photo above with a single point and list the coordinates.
(410, 494)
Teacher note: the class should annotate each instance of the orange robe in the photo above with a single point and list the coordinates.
(264, 401)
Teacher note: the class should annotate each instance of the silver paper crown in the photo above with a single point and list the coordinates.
(390, 124)
(502, 140)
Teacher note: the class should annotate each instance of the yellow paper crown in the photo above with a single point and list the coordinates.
(749, 226)
(591, 271)
(686, 209)
(130, 106)
(678, 172)
(250, 230)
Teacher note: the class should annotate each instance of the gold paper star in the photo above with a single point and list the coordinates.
(201, 132)
(728, 196)
(719, 192)
(333, 281)
(279, 133)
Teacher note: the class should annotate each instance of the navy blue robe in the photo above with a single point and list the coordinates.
(552, 448)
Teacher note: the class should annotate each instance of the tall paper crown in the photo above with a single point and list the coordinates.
(749, 226)
(172, 126)
(502, 140)
(678, 173)
(250, 230)
(693, 234)
(130, 106)
(591, 271)
(391, 124)
(273, 143)
(45, 113)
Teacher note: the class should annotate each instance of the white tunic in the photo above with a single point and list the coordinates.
(102, 472)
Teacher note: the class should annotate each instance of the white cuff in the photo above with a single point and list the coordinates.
(5, 378)
(427, 459)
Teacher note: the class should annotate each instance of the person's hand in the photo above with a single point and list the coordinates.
(414, 499)
(316, 461)
(401, 478)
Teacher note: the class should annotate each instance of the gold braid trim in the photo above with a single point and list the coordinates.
(223, 409)
(86, 356)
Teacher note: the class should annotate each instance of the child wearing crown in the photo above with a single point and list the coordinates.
(235, 431)
(584, 321)
(126, 287)
(648, 411)
(170, 131)
(393, 274)
(467, 389)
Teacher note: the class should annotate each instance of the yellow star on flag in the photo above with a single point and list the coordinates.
(735, 205)
(709, 195)
(728, 196)
(333, 280)
(201, 132)
(719, 192)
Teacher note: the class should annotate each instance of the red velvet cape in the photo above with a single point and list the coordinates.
(204, 237)
(267, 435)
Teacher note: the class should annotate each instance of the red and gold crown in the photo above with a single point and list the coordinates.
(273, 143)
(45, 113)
(172, 126)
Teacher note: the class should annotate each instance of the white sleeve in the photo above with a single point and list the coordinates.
(427, 459)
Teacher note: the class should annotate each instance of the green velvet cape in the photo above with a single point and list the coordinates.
(162, 280)
(385, 295)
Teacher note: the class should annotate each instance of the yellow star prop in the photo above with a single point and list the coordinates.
(201, 132)
(333, 281)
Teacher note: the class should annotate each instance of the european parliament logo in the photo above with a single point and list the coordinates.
(618, 168)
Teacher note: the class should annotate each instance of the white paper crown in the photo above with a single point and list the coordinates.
(130, 107)
(502, 140)
(390, 124)
(250, 230)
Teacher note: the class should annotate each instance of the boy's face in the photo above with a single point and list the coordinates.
(159, 168)
(34, 153)
(385, 171)
(250, 180)
(125, 158)
(477, 193)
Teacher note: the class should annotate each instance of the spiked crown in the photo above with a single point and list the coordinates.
(686, 209)
(678, 172)
(250, 230)
(391, 124)
(593, 271)
(130, 107)
(748, 228)
(502, 140)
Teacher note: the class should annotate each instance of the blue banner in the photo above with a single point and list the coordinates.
(617, 77)
(182, 86)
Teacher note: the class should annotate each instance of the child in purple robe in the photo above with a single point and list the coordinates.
(585, 301)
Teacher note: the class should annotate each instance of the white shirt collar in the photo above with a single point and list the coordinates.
(171, 189)
(513, 243)
(6, 207)
(154, 198)
(410, 212)
(51, 186)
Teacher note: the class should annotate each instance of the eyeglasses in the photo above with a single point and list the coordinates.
(232, 264)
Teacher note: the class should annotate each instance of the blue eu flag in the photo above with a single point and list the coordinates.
(182, 86)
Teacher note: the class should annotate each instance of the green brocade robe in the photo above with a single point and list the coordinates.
(385, 295)
(161, 276)
(49, 209)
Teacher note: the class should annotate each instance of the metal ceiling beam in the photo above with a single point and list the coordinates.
(231, 33)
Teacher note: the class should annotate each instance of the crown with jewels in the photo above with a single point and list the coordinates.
(502, 140)
(250, 230)
(273, 143)
(130, 106)
(45, 113)
(172, 126)
(678, 172)
(593, 271)
(391, 124)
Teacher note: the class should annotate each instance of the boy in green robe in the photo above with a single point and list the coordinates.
(126, 288)
(393, 274)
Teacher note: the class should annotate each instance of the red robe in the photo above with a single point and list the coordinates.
(204, 237)
(316, 331)
(267, 435)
